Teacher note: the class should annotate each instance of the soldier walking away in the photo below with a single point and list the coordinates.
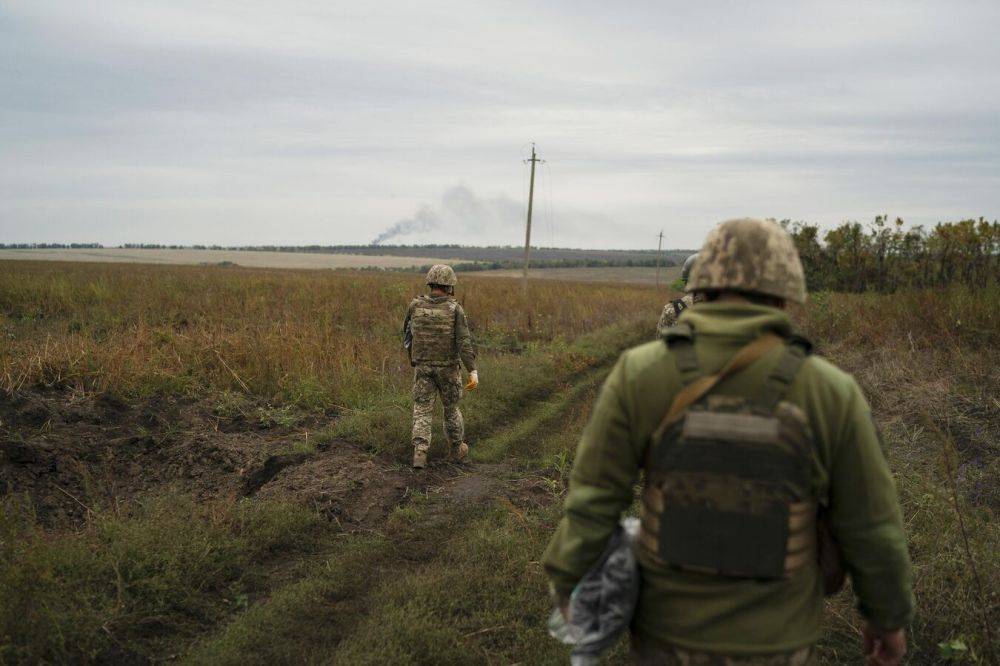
(672, 310)
(436, 335)
(762, 464)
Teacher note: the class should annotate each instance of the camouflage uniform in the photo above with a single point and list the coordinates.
(440, 340)
(428, 382)
(673, 310)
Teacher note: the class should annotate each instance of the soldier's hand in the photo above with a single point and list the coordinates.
(883, 647)
(473, 381)
(564, 608)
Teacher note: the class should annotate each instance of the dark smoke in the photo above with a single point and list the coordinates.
(459, 209)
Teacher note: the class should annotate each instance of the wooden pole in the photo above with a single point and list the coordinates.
(527, 233)
(659, 248)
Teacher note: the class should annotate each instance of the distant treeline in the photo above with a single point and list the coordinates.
(493, 256)
(51, 246)
(884, 256)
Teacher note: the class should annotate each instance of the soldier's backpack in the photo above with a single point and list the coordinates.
(728, 486)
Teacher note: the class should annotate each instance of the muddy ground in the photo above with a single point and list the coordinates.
(72, 453)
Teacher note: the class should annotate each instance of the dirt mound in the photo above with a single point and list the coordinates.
(342, 482)
(72, 452)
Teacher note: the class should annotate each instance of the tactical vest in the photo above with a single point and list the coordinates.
(433, 327)
(728, 485)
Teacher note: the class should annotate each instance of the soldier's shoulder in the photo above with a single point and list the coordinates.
(834, 382)
(649, 354)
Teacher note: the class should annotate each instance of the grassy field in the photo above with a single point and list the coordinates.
(247, 258)
(612, 274)
(208, 465)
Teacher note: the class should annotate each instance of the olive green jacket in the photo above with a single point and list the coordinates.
(713, 613)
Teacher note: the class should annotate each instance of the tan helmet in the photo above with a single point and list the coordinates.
(755, 256)
(442, 274)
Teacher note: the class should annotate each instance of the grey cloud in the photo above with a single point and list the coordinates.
(318, 122)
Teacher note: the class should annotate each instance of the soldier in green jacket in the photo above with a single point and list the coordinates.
(745, 439)
(436, 335)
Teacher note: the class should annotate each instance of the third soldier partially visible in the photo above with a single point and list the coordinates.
(437, 337)
(673, 309)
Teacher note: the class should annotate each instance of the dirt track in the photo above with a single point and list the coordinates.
(85, 451)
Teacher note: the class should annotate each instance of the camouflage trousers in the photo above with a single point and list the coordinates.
(428, 382)
(646, 653)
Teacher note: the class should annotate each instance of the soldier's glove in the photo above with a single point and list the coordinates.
(473, 381)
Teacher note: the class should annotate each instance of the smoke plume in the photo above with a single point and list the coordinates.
(459, 210)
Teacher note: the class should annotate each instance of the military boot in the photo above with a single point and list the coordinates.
(459, 453)
(419, 459)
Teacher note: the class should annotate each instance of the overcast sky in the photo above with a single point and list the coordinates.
(332, 122)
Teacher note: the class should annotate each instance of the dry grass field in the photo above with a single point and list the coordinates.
(247, 258)
(612, 274)
(208, 465)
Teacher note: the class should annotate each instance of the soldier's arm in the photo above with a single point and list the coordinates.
(408, 333)
(466, 350)
(666, 319)
(600, 488)
(866, 519)
(406, 320)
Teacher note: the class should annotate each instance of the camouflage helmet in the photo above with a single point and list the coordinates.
(441, 274)
(688, 265)
(755, 256)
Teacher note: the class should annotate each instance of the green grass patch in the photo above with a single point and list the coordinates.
(510, 385)
(131, 583)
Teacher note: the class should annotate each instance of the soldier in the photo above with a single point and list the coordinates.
(673, 309)
(436, 334)
(748, 444)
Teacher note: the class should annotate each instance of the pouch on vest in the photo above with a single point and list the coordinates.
(728, 476)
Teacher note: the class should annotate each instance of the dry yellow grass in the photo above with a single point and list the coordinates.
(611, 274)
(311, 337)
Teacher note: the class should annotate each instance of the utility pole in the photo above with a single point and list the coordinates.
(659, 248)
(527, 233)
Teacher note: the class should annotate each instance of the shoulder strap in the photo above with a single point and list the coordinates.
(783, 374)
(694, 391)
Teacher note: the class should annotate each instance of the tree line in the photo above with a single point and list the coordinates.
(887, 256)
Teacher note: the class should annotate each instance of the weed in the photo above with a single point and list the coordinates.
(282, 417)
(231, 405)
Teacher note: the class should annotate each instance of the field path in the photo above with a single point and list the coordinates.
(349, 594)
